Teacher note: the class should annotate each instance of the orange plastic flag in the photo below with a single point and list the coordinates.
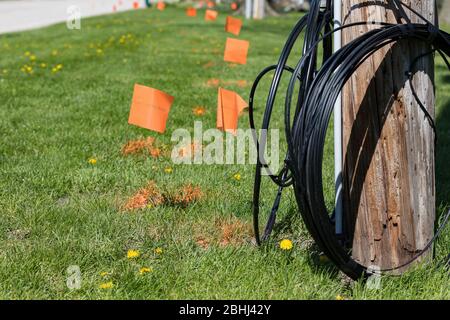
(150, 108)
(234, 6)
(191, 12)
(233, 25)
(210, 4)
(229, 106)
(135, 5)
(211, 15)
(161, 6)
(236, 51)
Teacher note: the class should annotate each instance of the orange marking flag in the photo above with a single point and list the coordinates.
(150, 108)
(233, 25)
(229, 106)
(161, 6)
(210, 4)
(211, 15)
(234, 6)
(136, 5)
(191, 12)
(236, 51)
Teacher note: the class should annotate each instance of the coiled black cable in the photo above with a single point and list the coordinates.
(305, 132)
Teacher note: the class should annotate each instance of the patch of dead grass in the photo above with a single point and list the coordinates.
(234, 232)
(223, 232)
(185, 196)
(149, 195)
(214, 82)
(142, 146)
(152, 196)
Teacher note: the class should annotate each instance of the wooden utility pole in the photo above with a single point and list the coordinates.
(388, 144)
(258, 9)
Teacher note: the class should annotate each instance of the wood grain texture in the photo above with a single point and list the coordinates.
(389, 173)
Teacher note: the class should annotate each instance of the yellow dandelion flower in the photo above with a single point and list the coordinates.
(237, 176)
(27, 54)
(106, 285)
(54, 52)
(104, 273)
(59, 66)
(168, 170)
(99, 51)
(132, 254)
(158, 250)
(339, 297)
(33, 57)
(145, 270)
(43, 65)
(286, 244)
(92, 161)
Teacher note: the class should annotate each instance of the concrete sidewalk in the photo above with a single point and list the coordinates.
(29, 14)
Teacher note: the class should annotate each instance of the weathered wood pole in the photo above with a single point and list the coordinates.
(258, 9)
(388, 147)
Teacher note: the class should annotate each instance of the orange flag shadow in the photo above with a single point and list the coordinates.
(229, 106)
(236, 51)
(150, 108)
(191, 12)
(211, 15)
(233, 25)
(161, 6)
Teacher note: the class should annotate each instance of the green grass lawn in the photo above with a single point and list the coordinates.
(58, 210)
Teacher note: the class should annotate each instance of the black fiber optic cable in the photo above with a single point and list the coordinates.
(306, 131)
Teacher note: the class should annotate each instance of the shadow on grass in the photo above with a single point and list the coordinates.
(289, 224)
(443, 149)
